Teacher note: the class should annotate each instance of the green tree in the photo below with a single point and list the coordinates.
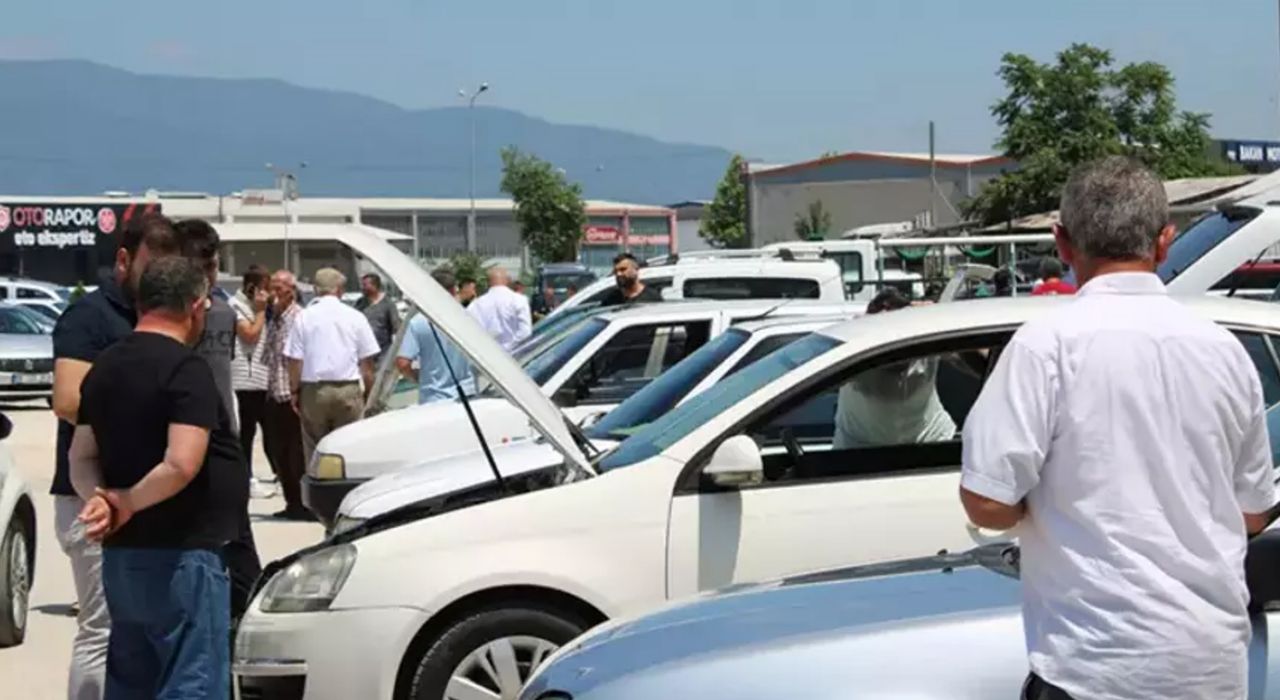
(549, 208)
(1079, 108)
(469, 267)
(724, 224)
(814, 224)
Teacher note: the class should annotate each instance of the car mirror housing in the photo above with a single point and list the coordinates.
(736, 462)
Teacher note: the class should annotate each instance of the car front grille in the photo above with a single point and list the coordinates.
(272, 687)
(9, 364)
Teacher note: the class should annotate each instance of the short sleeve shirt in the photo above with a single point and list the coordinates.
(504, 314)
(217, 346)
(437, 369)
(331, 339)
(383, 318)
(1134, 430)
(615, 297)
(163, 383)
(89, 326)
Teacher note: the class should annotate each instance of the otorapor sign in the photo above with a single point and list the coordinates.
(63, 243)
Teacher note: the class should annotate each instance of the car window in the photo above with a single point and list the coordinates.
(1261, 350)
(665, 392)
(690, 415)
(850, 263)
(1204, 235)
(48, 312)
(16, 321)
(658, 283)
(764, 347)
(33, 293)
(543, 366)
(751, 288)
(1273, 430)
(630, 360)
(4, 292)
(899, 412)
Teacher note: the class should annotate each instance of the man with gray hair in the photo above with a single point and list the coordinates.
(331, 350)
(1123, 436)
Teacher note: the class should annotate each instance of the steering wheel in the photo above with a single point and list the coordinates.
(794, 451)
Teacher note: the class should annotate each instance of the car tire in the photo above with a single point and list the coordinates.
(15, 583)
(530, 632)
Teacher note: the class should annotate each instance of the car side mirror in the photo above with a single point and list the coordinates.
(566, 396)
(736, 462)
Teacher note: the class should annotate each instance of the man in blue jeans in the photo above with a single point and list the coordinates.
(164, 488)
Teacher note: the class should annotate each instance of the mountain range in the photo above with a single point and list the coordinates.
(79, 128)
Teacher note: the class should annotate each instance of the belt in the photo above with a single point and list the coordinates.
(332, 382)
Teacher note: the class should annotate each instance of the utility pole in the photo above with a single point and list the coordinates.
(471, 117)
(287, 183)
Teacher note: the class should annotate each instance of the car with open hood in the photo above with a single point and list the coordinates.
(466, 593)
(721, 357)
(586, 369)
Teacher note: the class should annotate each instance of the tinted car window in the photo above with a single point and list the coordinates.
(764, 347)
(751, 288)
(16, 321)
(544, 365)
(662, 394)
(31, 293)
(1259, 349)
(631, 359)
(1202, 237)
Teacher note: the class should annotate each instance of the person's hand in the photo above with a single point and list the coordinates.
(121, 509)
(261, 297)
(96, 517)
(293, 401)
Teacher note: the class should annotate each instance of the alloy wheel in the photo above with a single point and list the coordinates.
(499, 669)
(19, 578)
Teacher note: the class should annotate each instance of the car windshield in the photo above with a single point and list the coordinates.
(64, 294)
(692, 414)
(1202, 237)
(19, 321)
(541, 366)
(662, 394)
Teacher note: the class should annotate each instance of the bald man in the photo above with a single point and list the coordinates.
(502, 312)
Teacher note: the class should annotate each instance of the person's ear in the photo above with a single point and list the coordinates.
(122, 261)
(1164, 241)
(1062, 241)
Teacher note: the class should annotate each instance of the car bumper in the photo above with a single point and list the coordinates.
(323, 496)
(331, 655)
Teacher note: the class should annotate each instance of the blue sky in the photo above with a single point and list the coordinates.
(776, 79)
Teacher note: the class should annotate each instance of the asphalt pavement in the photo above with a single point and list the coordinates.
(37, 670)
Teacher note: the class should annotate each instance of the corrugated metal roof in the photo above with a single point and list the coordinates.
(944, 160)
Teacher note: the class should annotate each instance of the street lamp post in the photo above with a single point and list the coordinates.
(471, 117)
(287, 183)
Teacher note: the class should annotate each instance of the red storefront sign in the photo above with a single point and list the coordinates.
(603, 235)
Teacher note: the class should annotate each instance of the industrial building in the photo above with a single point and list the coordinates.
(863, 188)
(69, 240)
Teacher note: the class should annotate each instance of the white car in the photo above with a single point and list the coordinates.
(750, 278)
(464, 594)
(17, 546)
(586, 369)
(723, 356)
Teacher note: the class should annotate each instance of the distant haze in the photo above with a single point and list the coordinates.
(73, 127)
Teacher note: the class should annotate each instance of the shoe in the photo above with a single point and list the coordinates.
(257, 489)
(273, 479)
(296, 515)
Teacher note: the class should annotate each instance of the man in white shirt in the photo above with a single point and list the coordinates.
(1124, 437)
(330, 349)
(503, 313)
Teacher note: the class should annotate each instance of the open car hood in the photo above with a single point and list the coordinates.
(482, 351)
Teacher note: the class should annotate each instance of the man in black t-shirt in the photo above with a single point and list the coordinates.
(87, 328)
(630, 290)
(165, 490)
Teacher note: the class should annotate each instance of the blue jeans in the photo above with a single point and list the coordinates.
(170, 624)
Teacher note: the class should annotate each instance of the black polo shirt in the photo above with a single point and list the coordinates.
(92, 324)
(163, 382)
(615, 297)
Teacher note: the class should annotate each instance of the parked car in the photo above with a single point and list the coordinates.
(751, 278)
(26, 354)
(868, 628)
(50, 310)
(587, 369)
(20, 290)
(17, 546)
(560, 278)
(724, 355)
(422, 599)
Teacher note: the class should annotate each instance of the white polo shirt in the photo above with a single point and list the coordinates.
(330, 338)
(504, 314)
(1134, 429)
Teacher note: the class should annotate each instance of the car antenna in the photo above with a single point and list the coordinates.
(471, 416)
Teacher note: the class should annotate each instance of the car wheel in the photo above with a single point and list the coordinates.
(491, 654)
(15, 584)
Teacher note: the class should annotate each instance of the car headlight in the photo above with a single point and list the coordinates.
(309, 584)
(330, 466)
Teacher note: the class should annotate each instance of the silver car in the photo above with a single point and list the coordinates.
(946, 627)
(26, 354)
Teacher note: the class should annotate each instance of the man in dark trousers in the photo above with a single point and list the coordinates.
(216, 344)
(164, 487)
(92, 324)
